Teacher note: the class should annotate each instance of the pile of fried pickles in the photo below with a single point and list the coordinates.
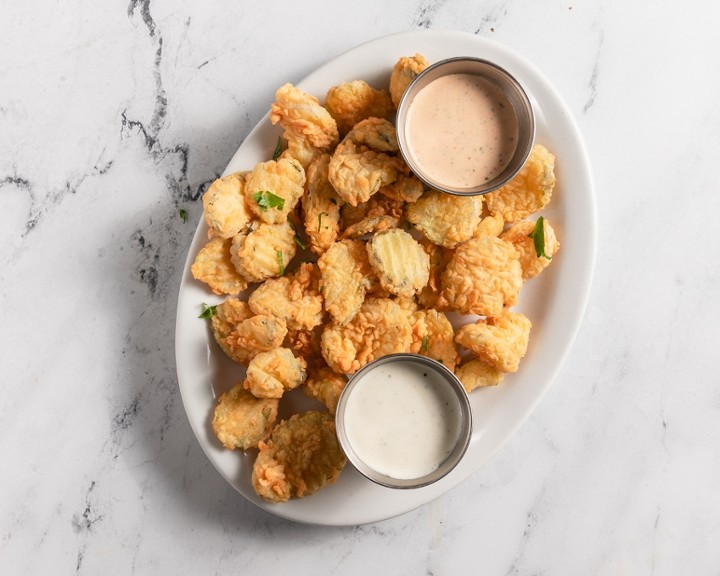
(383, 260)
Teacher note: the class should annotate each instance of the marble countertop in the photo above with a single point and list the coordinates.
(113, 116)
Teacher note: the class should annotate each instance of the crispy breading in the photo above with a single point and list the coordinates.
(302, 117)
(302, 455)
(295, 298)
(445, 219)
(224, 207)
(439, 257)
(263, 253)
(403, 73)
(346, 277)
(256, 334)
(240, 420)
(401, 264)
(376, 133)
(434, 337)
(228, 315)
(483, 277)
(285, 179)
(325, 386)
(519, 236)
(271, 373)
(476, 374)
(407, 188)
(369, 225)
(301, 150)
(321, 206)
(213, 266)
(490, 226)
(351, 102)
(378, 205)
(357, 172)
(306, 344)
(529, 191)
(380, 327)
(500, 342)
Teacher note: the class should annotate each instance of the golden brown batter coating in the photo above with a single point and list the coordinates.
(500, 342)
(321, 206)
(445, 219)
(519, 236)
(214, 267)
(224, 208)
(271, 373)
(478, 374)
(403, 73)
(273, 189)
(351, 102)
(241, 421)
(263, 253)
(325, 386)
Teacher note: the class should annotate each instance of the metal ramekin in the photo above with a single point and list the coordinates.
(465, 428)
(513, 91)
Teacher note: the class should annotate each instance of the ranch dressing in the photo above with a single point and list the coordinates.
(402, 419)
(462, 130)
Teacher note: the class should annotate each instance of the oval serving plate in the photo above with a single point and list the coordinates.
(554, 302)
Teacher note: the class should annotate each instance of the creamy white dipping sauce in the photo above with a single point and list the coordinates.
(402, 419)
(462, 130)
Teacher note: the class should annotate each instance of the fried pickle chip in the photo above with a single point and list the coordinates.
(295, 298)
(407, 188)
(380, 327)
(321, 206)
(400, 263)
(351, 102)
(378, 205)
(433, 336)
(445, 219)
(302, 455)
(228, 315)
(519, 236)
(369, 225)
(346, 277)
(306, 344)
(241, 420)
(224, 207)
(256, 334)
(264, 252)
(213, 266)
(500, 342)
(403, 73)
(490, 226)
(271, 373)
(302, 117)
(476, 374)
(439, 257)
(325, 386)
(376, 133)
(357, 172)
(273, 188)
(527, 192)
(483, 277)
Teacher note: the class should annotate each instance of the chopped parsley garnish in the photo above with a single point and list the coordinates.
(425, 342)
(207, 311)
(278, 149)
(298, 240)
(280, 262)
(538, 236)
(183, 215)
(266, 199)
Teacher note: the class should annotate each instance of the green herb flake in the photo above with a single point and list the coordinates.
(267, 199)
(278, 149)
(320, 219)
(207, 311)
(280, 262)
(538, 236)
(425, 342)
(298, 240)
(183, 215)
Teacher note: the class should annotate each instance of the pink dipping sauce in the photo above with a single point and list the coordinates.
(461, 130)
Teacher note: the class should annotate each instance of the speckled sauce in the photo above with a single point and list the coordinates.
(462, 130)
(402, 419)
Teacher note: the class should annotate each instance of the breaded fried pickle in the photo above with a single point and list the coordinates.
(476, 374)
(271, 373)
(213, 266)
(380, 327)
(483, 277)
(399, 261)
(321, 206)
(302, 455)
(264, 252)
(404, 72)
(527, 192)
(325, 386)
(224, 208)
(519, 236)
(345, 278)
(228, 315)
(241, 420)
(445, 219)
(273, 188)
(351, 102)
(254, 335)
(302, 116)
(500, 342)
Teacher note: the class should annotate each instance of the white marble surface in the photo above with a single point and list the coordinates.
(115, 115)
